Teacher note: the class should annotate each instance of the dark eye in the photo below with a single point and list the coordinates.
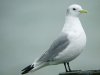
(74, 8)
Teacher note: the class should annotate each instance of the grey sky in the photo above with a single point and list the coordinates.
(28, 27)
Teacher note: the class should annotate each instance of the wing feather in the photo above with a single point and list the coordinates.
(57, 46)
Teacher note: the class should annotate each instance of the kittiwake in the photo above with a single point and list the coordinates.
(68, 45)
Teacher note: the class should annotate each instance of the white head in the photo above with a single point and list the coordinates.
(75, 10)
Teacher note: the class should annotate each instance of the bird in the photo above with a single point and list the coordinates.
(67, 46)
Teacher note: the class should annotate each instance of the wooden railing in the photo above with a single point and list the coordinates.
(79, 72)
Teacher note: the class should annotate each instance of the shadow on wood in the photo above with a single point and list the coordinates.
(79, 72)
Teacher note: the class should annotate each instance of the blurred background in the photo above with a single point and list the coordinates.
(28, 27)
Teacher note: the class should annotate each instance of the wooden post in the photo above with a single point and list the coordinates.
(79, 72)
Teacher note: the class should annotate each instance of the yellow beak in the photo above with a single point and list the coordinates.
(83, 11)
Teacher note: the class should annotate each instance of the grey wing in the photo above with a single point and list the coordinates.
(58, 45)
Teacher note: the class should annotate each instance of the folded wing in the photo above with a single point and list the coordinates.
(58, 45)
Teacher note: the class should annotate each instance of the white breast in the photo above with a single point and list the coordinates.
(77, 38)
(73, 50)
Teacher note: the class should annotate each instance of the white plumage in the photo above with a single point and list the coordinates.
(67, 46)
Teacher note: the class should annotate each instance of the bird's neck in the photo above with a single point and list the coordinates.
(71, 19)
(71, 23)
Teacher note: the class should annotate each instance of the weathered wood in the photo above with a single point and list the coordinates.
(79, 72)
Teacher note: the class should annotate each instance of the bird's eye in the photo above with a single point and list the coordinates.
(74, 8)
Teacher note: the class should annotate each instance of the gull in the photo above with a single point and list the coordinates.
(68, 45)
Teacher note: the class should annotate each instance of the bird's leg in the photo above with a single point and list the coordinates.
(69, 67)
(65, 67)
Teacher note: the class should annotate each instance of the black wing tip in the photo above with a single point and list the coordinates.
(27, 69)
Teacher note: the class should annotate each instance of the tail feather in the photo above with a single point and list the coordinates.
(27, 69)
(34, 67)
